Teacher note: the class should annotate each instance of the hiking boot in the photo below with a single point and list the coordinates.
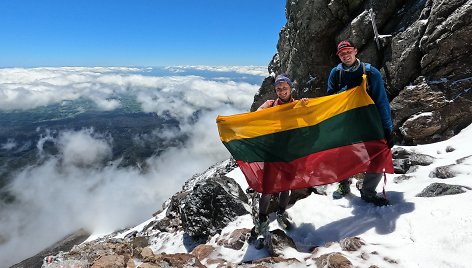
(262, 227)
(283, 219)
(343, 190)
(375, 199)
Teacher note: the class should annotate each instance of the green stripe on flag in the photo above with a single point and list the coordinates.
(353, 126)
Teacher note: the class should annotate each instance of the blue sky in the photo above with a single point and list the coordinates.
(139, 32)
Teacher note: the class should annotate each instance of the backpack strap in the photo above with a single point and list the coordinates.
(366, 69)
(339, 68)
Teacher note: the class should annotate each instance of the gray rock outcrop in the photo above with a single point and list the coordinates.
(440, 189)
(211, 206)
(423, 57)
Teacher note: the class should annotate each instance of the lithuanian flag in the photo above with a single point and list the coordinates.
(299, 145)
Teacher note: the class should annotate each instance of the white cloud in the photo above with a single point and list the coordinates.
(71, 190)
(9, 145)
(252, 70)
(179, 96)
(83, 149)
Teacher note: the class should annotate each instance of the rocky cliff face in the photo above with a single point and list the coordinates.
(422, 51)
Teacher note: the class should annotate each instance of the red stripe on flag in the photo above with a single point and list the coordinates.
(319, 168)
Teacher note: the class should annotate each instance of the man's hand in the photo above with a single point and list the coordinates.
(389, 138)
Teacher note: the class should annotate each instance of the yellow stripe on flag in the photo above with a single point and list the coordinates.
(291, 115)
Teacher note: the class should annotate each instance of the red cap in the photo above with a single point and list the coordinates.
(344, 45)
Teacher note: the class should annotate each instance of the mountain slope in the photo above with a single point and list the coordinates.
(415, 231)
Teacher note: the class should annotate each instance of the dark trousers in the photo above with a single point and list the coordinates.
(264, 202)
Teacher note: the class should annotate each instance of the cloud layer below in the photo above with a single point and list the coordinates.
(81, 187)
(23, 89)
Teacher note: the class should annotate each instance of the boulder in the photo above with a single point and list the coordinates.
(439, 189)
(211, 206)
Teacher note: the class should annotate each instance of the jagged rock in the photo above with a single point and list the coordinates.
(88, 253)
(343, 12)
(299, 46)
(333, 260)
(172, 220)
(421, 126)
(139, 242)
(211, 206)
(269, 261)
(173, 209)
(412, 169)
(405, 161)
(202, 251)
(109, 261)
(443, 172)
(49, 253)
(446, 62)
(400, 153)
(465, 160)
(405, 58)
(439, 189)
(450, 149)
(446, 35)
(412, 102)
(235, 240)
(175, 260)
(351, 243)
(360, 29)
(364, 256)
(400, 166)
(147, 253)
(131, 235)
(65, 263)
(216, 171)
(149, 265)
(390, 260)
(277, 241)
(426, 55)
(402, 178)
(220, 263)
(165, 225)
(421, 160)
(130, 263)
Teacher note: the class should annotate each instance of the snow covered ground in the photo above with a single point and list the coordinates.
(412, 232)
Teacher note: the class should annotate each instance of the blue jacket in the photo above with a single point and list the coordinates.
(376, 89)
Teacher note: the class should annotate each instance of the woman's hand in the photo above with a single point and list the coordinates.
(304, 100)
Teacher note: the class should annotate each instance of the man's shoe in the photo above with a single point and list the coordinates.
(375, 199)
(343, 190)
(284, 220)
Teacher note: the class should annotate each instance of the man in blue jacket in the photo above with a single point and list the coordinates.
(346, 75)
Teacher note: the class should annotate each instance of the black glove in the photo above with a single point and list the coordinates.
(389, 138)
